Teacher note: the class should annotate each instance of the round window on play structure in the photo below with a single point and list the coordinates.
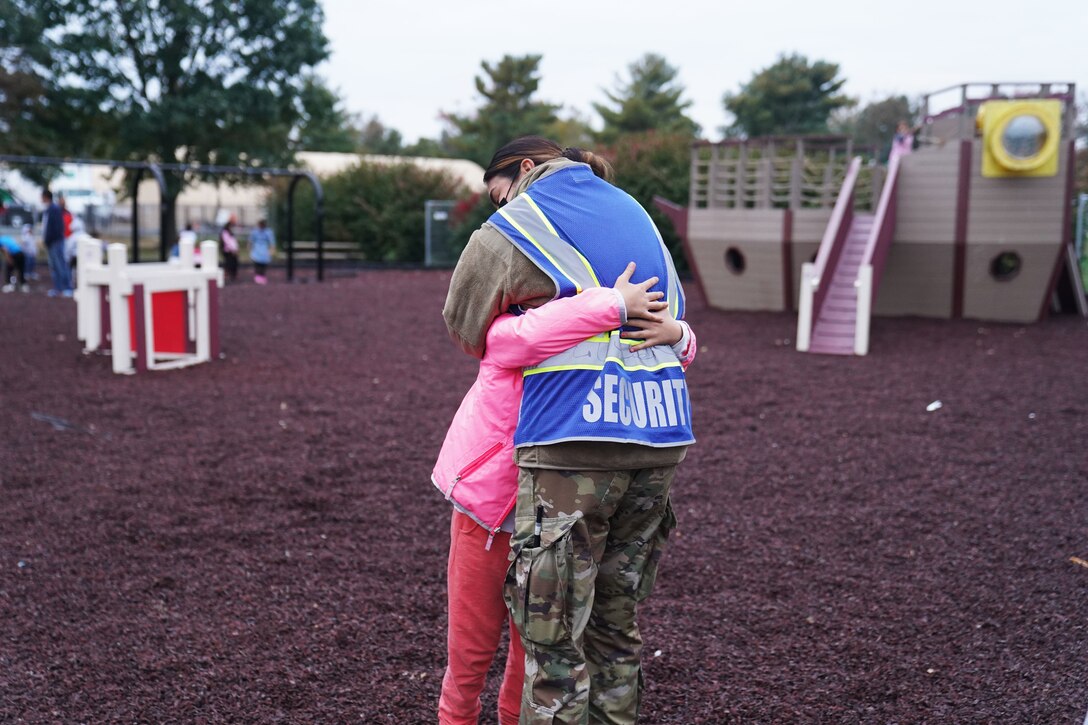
(734, 260)
(1024, 136)
(1005, 266)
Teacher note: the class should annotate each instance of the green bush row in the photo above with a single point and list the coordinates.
(378, 206)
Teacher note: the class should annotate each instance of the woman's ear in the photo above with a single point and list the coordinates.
(527, 165)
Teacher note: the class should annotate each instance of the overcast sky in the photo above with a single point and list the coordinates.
(407, 61)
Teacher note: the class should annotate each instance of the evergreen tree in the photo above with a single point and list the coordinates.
(649, 101)
(792, 96)
(572, 130)
(325, 124)
(508, 109)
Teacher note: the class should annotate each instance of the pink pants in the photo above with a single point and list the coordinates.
(477, 614)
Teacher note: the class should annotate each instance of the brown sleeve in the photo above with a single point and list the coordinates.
(490, 276)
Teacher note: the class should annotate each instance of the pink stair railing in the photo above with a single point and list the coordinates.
(876, 255)
(816, 277)
(850, 263)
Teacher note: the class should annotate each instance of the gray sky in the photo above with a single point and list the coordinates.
(406, 61)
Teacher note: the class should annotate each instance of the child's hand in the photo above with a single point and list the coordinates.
(665, 331)
(640, 302)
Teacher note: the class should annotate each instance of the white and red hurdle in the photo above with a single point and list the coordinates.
(155, 316)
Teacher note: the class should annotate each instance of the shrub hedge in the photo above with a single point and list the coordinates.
(376, 205)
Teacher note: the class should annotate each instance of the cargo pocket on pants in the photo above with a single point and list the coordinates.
(538, 585)
(655, 547)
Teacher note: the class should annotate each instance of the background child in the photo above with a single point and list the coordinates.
(14, 265)
(262, 245)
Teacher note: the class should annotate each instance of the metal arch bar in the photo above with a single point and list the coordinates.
(157, 172)
(164, 246)
(319, 216)
(136, 214)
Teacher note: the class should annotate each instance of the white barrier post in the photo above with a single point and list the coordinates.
(88, 300)
(120, 289)
(804, 306)
(209, 254)
(205, 315)
(863, 285)
(185, 253)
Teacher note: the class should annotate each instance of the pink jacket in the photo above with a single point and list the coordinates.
(475, 467)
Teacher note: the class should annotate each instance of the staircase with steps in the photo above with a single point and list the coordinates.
(833, 331)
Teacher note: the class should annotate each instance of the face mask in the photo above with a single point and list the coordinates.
(510, 188)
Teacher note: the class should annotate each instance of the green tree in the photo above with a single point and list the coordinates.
(572, 129)
(32, 122)
(792, 96)
(374, 137)
(508, 109)
(22, 85)
(434, 148)
(324, 124)
(197, 81)
(649, 101)
(874, 125)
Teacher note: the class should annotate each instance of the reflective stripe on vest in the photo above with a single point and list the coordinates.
(598, 389)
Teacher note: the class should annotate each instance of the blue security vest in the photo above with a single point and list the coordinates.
(582, 231)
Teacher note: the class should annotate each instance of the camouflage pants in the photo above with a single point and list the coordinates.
(572, 590)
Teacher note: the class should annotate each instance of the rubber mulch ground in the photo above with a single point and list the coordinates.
(257, 539)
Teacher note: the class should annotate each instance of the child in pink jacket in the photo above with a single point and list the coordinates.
(476, 471)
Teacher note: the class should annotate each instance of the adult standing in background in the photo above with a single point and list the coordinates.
(53, 238)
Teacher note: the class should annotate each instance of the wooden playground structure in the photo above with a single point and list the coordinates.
(974, 223)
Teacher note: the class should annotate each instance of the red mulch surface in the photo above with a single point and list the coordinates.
(257, 539)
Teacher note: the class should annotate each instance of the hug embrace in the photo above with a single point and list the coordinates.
(560, 460)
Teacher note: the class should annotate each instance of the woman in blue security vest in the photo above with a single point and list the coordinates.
(601, 428)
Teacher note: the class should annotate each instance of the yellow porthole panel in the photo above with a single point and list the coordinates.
(1020, 138)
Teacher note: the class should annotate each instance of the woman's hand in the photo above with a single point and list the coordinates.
(663, 331)
(640, 302)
